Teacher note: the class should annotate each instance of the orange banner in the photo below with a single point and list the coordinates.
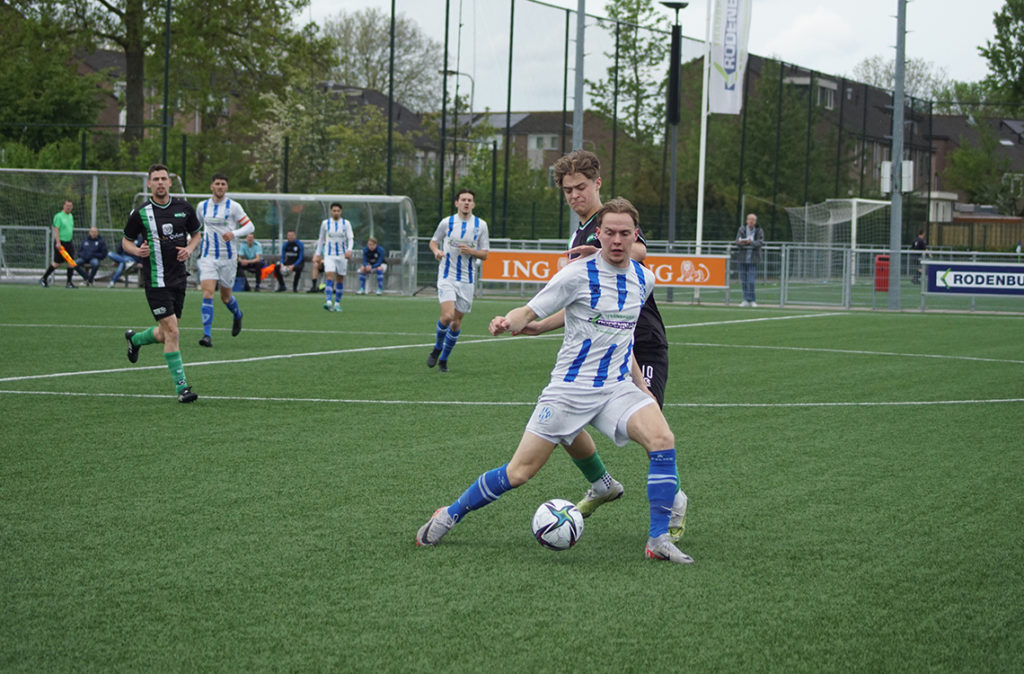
(672, 271)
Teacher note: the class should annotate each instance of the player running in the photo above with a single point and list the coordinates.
(223, 221)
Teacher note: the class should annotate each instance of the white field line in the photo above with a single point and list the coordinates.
(478, 403)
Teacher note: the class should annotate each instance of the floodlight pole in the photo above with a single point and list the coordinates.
(896, 212)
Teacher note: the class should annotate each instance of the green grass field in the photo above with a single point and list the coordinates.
(855, 480)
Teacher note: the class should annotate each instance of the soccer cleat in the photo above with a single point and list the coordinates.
(88, 283)
(677, 519)
(236, 326)
(591, 501)
(432, 358)
(327, 305)
(321, 287)
(45, 282)
(69, 284)
(379, 291)
(312, 290)
(133, 351)
(281, 289)
(435, 528)
(442, 366)
(361, 291)
(187, 396)
(205, 341)
(662, 549)
(337, 306)
(111, 284)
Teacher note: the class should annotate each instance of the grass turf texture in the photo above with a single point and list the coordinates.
(270, 525)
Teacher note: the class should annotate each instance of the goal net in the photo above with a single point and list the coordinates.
(29, 198)
(832, 228)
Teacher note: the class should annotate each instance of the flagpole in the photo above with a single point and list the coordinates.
(703, 137)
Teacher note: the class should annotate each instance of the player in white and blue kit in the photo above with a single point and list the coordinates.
(334, 249)
(223, 221)
(458, 242)
(592, 381)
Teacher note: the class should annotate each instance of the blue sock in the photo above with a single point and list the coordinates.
(487, 488)
(207, 314)
(339, 290)
(449, 343)
(362, 281)
(661, 489)
(442, 330)
(380, 279)
(233, 307)
(328, 290)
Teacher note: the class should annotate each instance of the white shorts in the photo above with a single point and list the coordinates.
(223, 270)
(453, 291)
(337, 264)
(562, 411)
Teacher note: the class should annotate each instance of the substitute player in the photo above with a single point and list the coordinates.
(170, 231)
(223, 221)
(458, 242)
(591, 383)
(334, 249)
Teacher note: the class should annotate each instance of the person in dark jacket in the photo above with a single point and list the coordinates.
(92, 251)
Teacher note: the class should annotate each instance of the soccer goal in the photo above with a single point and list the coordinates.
(834, 226)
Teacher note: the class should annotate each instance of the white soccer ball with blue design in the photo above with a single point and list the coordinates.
(557, 524)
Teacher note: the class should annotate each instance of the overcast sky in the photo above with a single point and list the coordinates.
(829, 36)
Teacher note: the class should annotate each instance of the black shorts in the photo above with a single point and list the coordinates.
(165, 301)
(69, 246)
(654, 367)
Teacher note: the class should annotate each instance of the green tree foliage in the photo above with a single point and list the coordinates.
(642, 77)
(361, 43)
(1005, 52)
(40, 85)
(979, 170)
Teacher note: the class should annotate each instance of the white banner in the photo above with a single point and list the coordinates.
(729, 55)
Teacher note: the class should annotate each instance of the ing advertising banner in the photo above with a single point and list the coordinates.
(670, 271)
(973, 278)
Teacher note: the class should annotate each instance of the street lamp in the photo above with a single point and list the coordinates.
(472, 94)
(673, 114)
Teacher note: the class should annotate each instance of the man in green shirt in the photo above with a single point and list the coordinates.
(63, 231)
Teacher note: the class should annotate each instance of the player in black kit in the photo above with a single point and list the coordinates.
(170, 231)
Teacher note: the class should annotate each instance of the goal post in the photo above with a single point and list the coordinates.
(842, 224)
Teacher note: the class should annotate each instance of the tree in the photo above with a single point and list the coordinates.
(41, 86)
(642, 52)
(921, 79)
(361, 42)
(1005, 53)
(979, 170)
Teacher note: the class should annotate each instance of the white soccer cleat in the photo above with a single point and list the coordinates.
(435, 528)
(662, 549)
(337, 306)
(677, 519)
(592, 501)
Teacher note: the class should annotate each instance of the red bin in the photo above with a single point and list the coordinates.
(882, 273)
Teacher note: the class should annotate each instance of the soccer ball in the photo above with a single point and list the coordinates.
(557, 524)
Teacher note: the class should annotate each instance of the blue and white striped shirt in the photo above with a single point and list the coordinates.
(453, 232)
(602, 303)
(335, 238)
(218, 218)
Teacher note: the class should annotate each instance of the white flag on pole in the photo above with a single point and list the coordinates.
(729, 55)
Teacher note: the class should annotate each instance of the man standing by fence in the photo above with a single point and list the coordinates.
(749, 240)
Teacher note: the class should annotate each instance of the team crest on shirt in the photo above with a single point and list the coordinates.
(167, 229)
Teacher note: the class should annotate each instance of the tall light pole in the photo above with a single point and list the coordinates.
(167, 79)
(455, 136)
(672, 114)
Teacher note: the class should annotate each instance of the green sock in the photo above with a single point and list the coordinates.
(592, 467)
(144, 338)
(177, 370)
